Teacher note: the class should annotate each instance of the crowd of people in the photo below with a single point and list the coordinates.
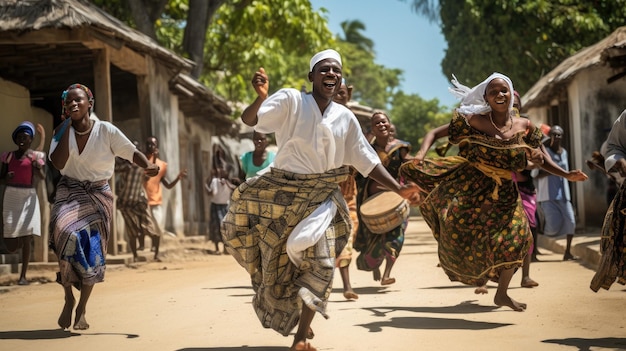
(296, 215)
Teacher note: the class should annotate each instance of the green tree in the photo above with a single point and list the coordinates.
(279, 35)
(238, 37)
(521, 38)
(374, 84)
(352, 33)
(414, 117)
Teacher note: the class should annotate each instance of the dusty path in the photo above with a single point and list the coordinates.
(204, 305)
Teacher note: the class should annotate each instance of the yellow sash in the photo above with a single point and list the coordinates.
(495, 173)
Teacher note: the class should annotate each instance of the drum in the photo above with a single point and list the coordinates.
(384, 211)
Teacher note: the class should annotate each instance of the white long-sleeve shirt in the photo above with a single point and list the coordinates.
(309, 142)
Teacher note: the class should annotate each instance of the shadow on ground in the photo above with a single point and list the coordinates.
(431, 323)
(50, 334)
(237, 348)
(464, 307)
(588, 344)
(45, 334)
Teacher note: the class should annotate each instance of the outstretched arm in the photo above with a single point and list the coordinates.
(549, 166)
(430, 139)
(382, 177)
(140, 160)
(170, 185)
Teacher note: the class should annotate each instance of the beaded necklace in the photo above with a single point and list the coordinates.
(91, 127)
(498, 129)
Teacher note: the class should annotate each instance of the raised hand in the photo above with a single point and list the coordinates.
(261, 83)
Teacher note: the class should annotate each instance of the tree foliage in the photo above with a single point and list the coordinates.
(414, 117)
(521, 38)
(280, 35)
(374, 84)
(352, 34)
(241, 36)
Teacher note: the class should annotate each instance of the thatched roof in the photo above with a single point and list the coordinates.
(45, 45)
(199, 102)
(18, 17)
(611, 50)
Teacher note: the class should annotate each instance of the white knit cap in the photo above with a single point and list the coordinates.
(473, 99)
(323, 55)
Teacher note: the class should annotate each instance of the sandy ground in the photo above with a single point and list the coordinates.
(199, 302)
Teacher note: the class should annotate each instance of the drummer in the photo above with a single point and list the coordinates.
(378, 248)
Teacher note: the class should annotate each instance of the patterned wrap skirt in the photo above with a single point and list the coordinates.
(80, 222)
(349, 190)
(479, 222)
(612, 265)
(262, 214)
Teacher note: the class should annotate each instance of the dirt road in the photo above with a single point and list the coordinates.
(204, 305)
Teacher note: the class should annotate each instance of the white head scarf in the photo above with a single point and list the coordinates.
(473, 99)
(323, 55)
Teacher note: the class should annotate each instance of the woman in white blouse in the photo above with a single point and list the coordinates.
(83, 149)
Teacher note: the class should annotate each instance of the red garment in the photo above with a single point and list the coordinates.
(22, 168)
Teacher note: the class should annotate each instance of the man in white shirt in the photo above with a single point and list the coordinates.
(287, 226)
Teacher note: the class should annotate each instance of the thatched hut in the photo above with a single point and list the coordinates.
(584, 94)
(46, 45)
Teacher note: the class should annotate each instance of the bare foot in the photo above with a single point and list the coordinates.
(528, 283)
(80, 323)
(23, 281)
(302, 345)
(387, 281)
(65, 319)
(376, 272)
(481, 290)
(350, 295)
(507, 301)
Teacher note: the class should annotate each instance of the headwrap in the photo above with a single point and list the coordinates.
(473, 99)
(76, 86)
(25, 127)
(323, 55)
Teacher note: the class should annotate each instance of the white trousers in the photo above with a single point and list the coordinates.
(309, 231)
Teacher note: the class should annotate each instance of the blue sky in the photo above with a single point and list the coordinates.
(402, 39)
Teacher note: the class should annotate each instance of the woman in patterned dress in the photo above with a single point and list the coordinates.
(378, 248)
(471, 202)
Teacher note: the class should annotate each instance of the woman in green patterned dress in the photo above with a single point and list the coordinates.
(471, 202)
(378, 248)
